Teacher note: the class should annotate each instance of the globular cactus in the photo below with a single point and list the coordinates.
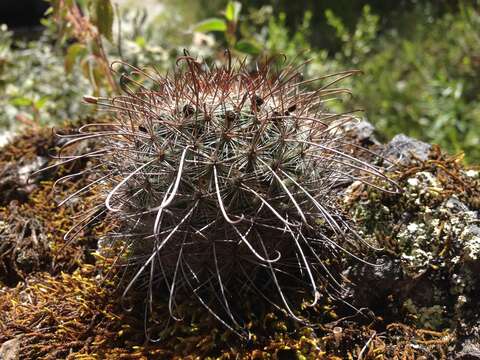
(224, 182)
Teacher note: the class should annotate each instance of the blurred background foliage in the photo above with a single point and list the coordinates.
(420, 59)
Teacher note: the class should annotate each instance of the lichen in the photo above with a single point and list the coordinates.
(470, 238)
(431, 230)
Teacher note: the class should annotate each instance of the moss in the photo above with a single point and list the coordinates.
(67, 307)
(77, 316)
(32, 226)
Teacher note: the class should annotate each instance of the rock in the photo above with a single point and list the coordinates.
(455, 205)
(362, 131)
(470, 351)
(18, 180)
(385, 277)
(471, 242)
(402, 149)
(5, 137)
(25, 171)
(10, 349)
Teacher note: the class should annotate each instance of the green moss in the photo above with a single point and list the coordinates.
(69, 308)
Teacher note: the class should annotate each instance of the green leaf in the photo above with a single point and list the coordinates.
(21, 101)
(212, 24)
(232, 11)
(140, 41)
(49, 11)
(83, 3)
(102, 17)
(74, 51)
(248, 47)
(40, 103)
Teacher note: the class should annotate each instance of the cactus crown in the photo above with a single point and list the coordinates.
(224, 181)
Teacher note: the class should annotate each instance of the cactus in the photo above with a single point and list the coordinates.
(224, 182)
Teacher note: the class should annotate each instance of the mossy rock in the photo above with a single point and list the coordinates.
(60, 299)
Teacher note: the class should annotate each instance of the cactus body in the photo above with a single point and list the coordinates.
(224, 183)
